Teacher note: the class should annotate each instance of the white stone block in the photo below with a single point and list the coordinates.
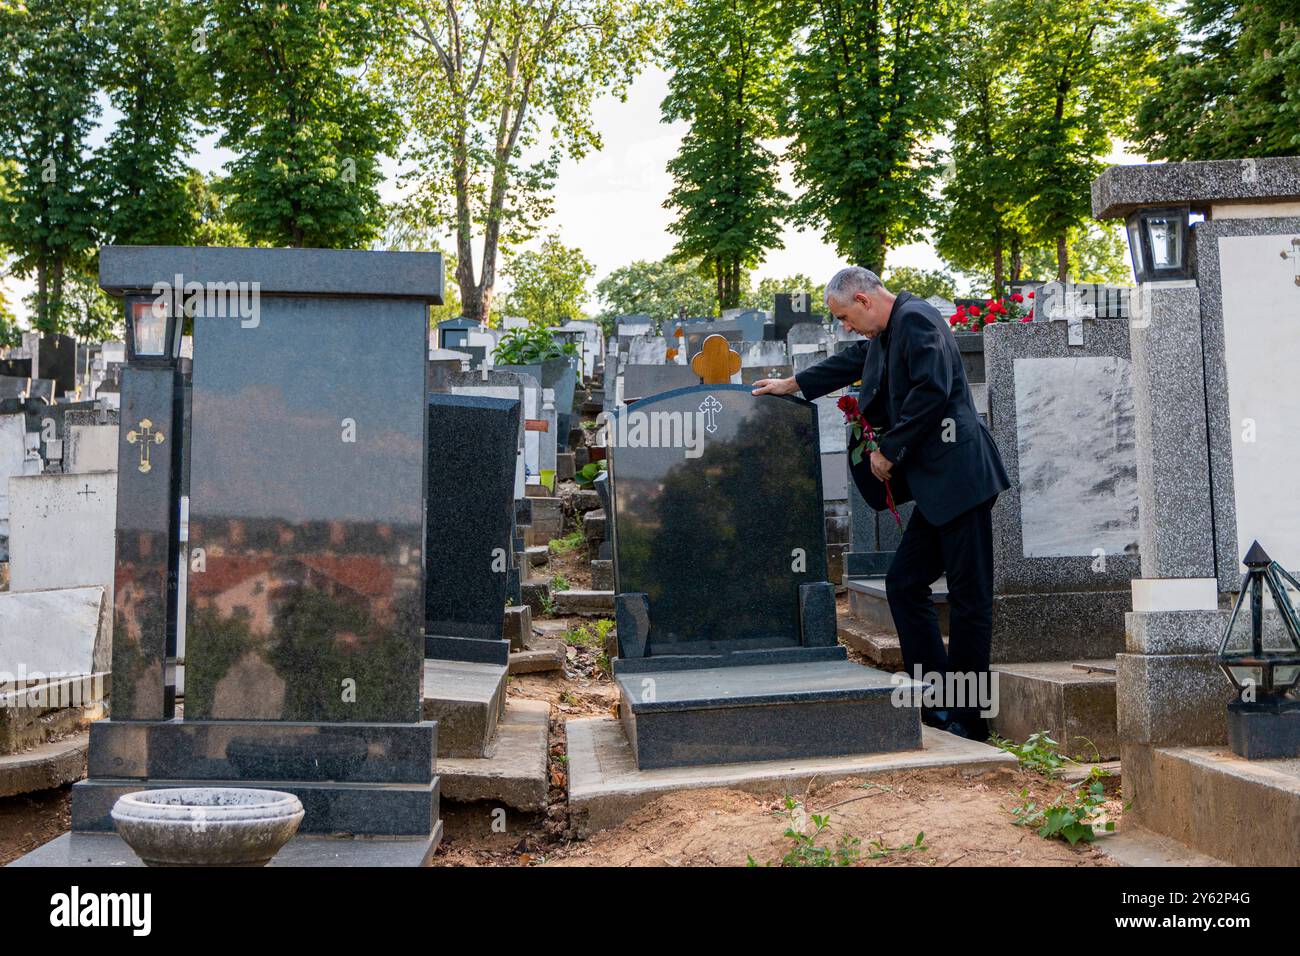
(91, 448)
(61, 531)
(53, 633)
(1175, 594)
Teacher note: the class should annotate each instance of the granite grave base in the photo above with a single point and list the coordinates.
(703, 716)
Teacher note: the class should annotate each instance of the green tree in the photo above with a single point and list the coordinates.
(209, 220)
(50, 51)
(922, 283)
(1227, 84)
(982, 223)
(1082, 67)
(292, 102)
(658, 289)
(403, 232)
(144, 182)
(1098, 253)
(485, 82)
(548, 285)
(728, 63)
(868, 91)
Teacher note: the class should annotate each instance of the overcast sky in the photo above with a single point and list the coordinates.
(610, 204)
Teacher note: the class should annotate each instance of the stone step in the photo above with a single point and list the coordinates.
(466, 700)
(606, 787)
(584, 603)
(517, 626)
(602, 574)
(543, 657)
(1212, 801)
(539, 556)
(536, 593)
(868, 603)
(721, 715)
(51, 764)
(881, 648)
(513, 770)
(1073, 702)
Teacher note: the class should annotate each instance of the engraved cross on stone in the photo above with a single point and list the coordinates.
(144, 435)
(710, 407)
(86, 493)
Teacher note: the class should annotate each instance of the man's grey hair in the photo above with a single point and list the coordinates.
(848, 282)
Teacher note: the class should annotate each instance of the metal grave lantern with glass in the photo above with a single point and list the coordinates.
(153, 330)
(1260, 654)
(1158, 243)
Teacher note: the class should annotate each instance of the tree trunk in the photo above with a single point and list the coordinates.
(1016, 264)
(1062, 259)
(42, 294)
(997, 269)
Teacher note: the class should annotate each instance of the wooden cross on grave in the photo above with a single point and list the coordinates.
(144, 435)
(716, 362)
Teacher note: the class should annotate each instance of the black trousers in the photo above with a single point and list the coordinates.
(963, 549)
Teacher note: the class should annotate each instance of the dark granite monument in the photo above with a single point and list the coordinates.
(472, 454)
(726, 623)
(305, 553)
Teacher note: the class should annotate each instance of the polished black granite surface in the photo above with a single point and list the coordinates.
(262, 750)
(306, 509)
(470, 514)
(146, 554)
(719, 543)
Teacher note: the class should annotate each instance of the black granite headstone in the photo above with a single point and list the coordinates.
(472, 441)
(307, 499)
(719, 543)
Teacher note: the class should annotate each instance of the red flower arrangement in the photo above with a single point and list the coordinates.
(865, 437)
(974, 318)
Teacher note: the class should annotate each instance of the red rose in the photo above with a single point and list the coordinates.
(848, 405)
(1017, 297)
(990, 320)
(1031, 295)
(1028, 318)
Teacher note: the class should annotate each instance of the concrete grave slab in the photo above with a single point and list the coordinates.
(513, 770)
(605, 786)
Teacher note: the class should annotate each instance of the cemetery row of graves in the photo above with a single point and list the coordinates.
(520, 596)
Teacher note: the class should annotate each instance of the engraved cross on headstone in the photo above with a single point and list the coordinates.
(144, 434)
(710, 407)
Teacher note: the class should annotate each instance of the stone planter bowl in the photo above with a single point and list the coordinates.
(207, 826)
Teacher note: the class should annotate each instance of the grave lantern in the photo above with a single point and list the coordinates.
(1260, 654)
(153, 331)
(1158, 243)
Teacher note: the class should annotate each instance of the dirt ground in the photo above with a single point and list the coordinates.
(965, 819)
(33, 819)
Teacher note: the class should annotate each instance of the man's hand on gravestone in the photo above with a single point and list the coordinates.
(776, 386)
(881, 466)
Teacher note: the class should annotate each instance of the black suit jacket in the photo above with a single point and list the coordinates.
(944, 457)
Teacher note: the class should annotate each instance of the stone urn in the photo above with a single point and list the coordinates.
(207, 826)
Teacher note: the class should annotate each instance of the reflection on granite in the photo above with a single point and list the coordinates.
(261, 750)
(721, 542)
(306, 513)
(145, 553)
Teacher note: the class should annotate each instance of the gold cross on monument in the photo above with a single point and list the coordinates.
(716, 362)
(145, 436)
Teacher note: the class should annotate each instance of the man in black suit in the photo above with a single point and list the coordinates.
(935, 450)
